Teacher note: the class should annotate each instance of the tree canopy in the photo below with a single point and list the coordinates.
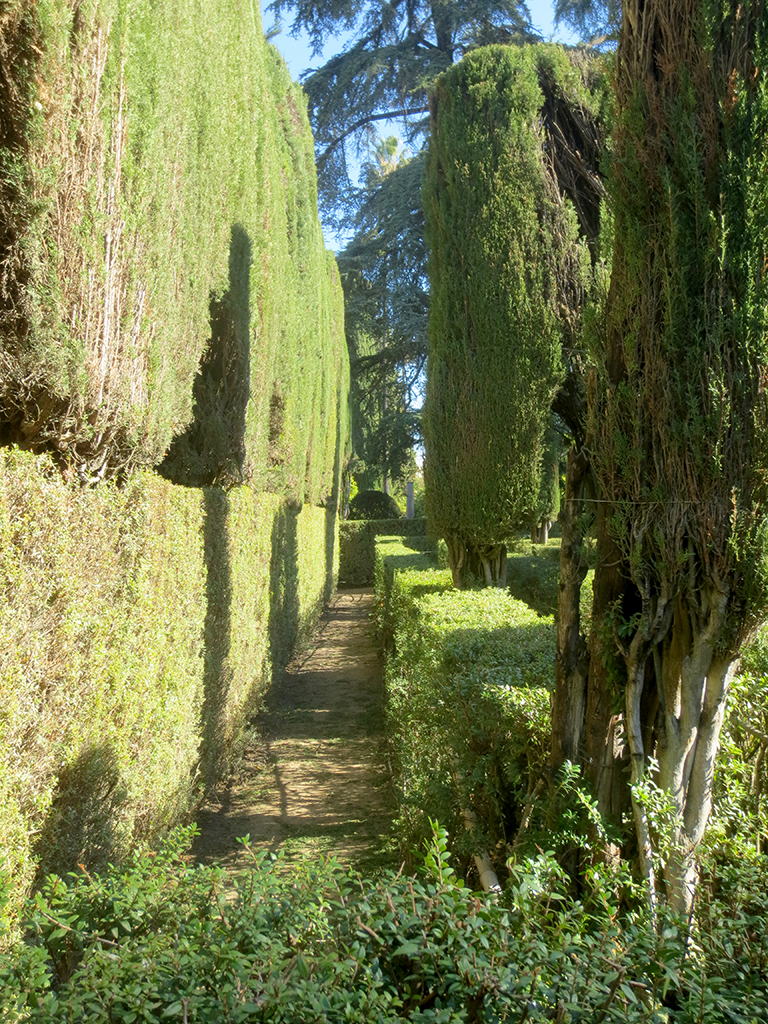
(597, 22)
(396, 53)
(383, 272)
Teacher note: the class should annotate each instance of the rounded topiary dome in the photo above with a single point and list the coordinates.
(373, 505)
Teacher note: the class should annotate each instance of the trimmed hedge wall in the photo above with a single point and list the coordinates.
(160, 251)
(357, 541)
(468, 676)
(140, 628)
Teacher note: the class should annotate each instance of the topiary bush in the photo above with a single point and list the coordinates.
(162, 267)
(502, 241)
(373, 505)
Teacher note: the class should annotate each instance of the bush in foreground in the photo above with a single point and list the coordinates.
(162, 940)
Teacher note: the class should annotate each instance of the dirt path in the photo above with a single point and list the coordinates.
(315, 780)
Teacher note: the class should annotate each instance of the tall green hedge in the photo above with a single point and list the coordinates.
(163, 269)
(468, 676)
(497, 231)
(139, 629)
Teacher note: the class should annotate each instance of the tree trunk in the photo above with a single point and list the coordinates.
(479, 564)
(540, 532)
(693, 689)
(605, 751)
(571, 654)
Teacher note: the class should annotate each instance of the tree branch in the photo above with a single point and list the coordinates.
(361, 123)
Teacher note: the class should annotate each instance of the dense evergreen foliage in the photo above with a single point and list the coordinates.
(357, 540)
(467, 702)
(159, 218)
(678, 414)
(501, 243)
(383, 73)
(140, 628)
(161, 257)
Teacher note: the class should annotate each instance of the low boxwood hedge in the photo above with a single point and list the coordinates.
(468, 676)
(357, 540)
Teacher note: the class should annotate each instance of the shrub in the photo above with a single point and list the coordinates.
(467, 702)
(357, 542)
(161, 940)
(373, 505)
(533, 574)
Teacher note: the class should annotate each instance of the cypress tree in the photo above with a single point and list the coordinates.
(678, 412)
(497, 231)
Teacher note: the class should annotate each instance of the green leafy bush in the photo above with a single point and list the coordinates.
(740, 806)
(394, 554)
(467, 701)
(162, 940)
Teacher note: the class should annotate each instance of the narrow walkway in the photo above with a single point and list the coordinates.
(317, 782)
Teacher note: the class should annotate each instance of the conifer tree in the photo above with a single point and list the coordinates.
(396, 52)
(499, 237)
(678, 418)
(385, 289)
(596, 22)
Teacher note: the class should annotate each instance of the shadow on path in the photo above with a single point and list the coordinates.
(315, 779)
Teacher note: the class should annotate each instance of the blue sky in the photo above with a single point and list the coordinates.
(298, 56)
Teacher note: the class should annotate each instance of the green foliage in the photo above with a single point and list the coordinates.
(498, 233)
(740, 812)
(162, 940)
(392, 555)
(597, 22)
(385, 291)
(468, 705)
(140, 628)
(547, 507)
(357, 545)
(679, 414)
(159, 196)
(394, 58)
(373, 505)
(533, 574)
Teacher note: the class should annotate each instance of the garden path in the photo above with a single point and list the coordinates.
(314, 780)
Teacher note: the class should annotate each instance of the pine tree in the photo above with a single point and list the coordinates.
(396, 53)
(597, 22)
(385, 291)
